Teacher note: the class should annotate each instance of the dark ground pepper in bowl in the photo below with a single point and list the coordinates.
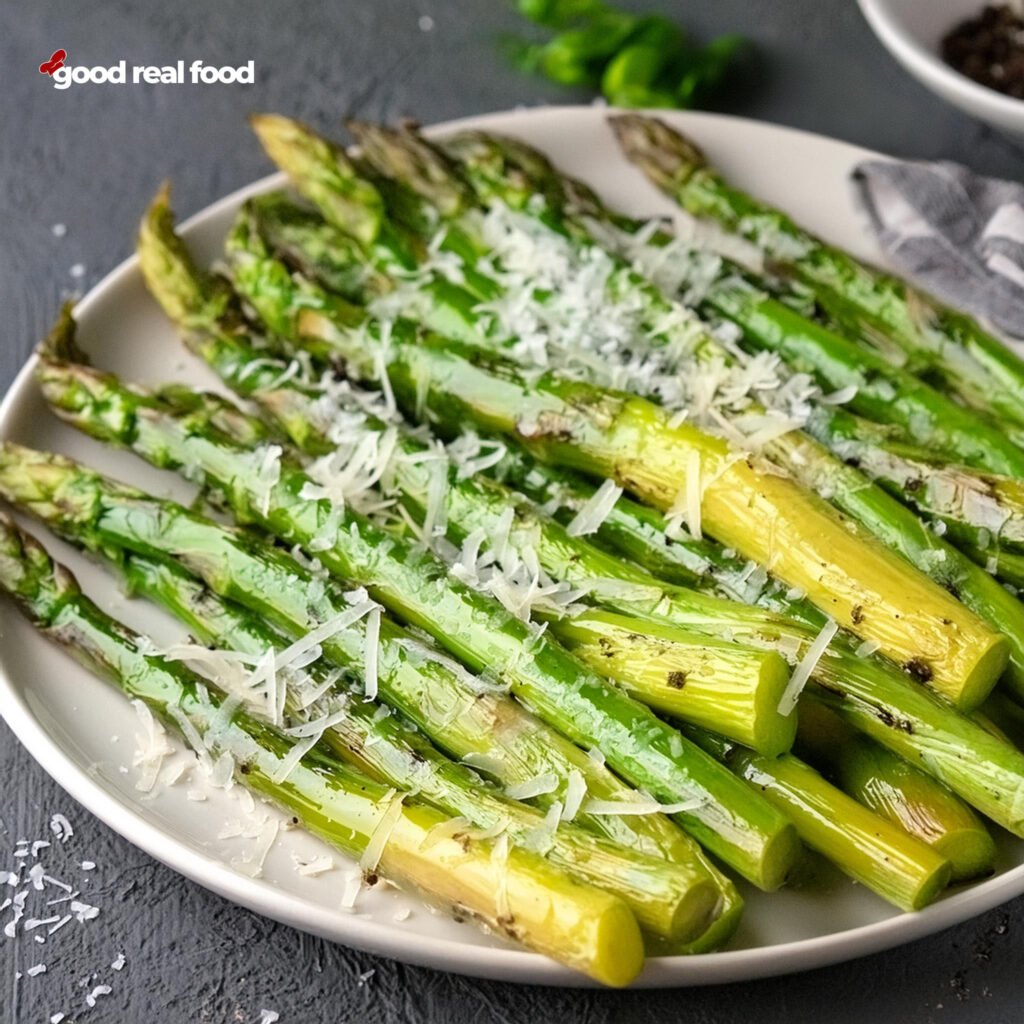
(989, 48)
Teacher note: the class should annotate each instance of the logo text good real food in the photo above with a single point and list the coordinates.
(196, 72)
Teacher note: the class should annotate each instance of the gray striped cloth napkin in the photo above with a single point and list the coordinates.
(959, 235)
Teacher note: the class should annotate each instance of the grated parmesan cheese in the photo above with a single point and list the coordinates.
(312, 868)
(866, 648)
(151, 747)
(382, 833)
(805, 669)
(595, 510)
(529, 788)
(575, 791)
(499, 858)
(372, 652)
(61, 828)
(342, 620)
(267, 472)
(298, 751)
(99, 990)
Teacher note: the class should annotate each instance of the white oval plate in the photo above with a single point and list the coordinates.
(82, 731)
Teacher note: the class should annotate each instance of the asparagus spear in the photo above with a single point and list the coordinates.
(306, 413)
(474, 627)
(554, 689)
(873, 851)
(645, 536)
(469, 719)
(881, 703)
(662, 598)
(517, 174)
(883, 393)
(291, 147)
(673, 901)
(64, 504)
(898, 792)
(518, 894)
(1006, 565)
(541, 752)
(978, 510)
(514, 172)
(984, 771)
(690, 678)
(722, 685)
(969, 362)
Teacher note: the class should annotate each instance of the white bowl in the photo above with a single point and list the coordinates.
(912, 30)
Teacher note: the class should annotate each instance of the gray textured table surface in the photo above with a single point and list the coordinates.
(89, 159)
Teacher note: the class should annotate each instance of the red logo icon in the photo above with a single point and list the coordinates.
(55, 63)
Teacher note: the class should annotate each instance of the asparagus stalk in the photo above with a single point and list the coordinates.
(1004, 717)
(470, 504)
(883, 393)
(80, 504)
(700, 680)
(645, 536)
(722, 685)
(519, 895)
(671, 603)
(969, 361)
(978, 510)
(546, 677)
(414, 584)
(894, 524)
(542, 752)
(878, 854)
(673, 901)
(514, 172)
(1006, 565)
(469, 719)
(897, 791)
(517, 174)
(732, 689)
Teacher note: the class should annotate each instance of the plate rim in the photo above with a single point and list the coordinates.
(388, 939)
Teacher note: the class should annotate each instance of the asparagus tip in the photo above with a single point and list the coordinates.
(184, 292)
(270, 126)
(292, 145)
(665, 155)
(404, 154)
(13, 556)
(29, 575)
(60, 345)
